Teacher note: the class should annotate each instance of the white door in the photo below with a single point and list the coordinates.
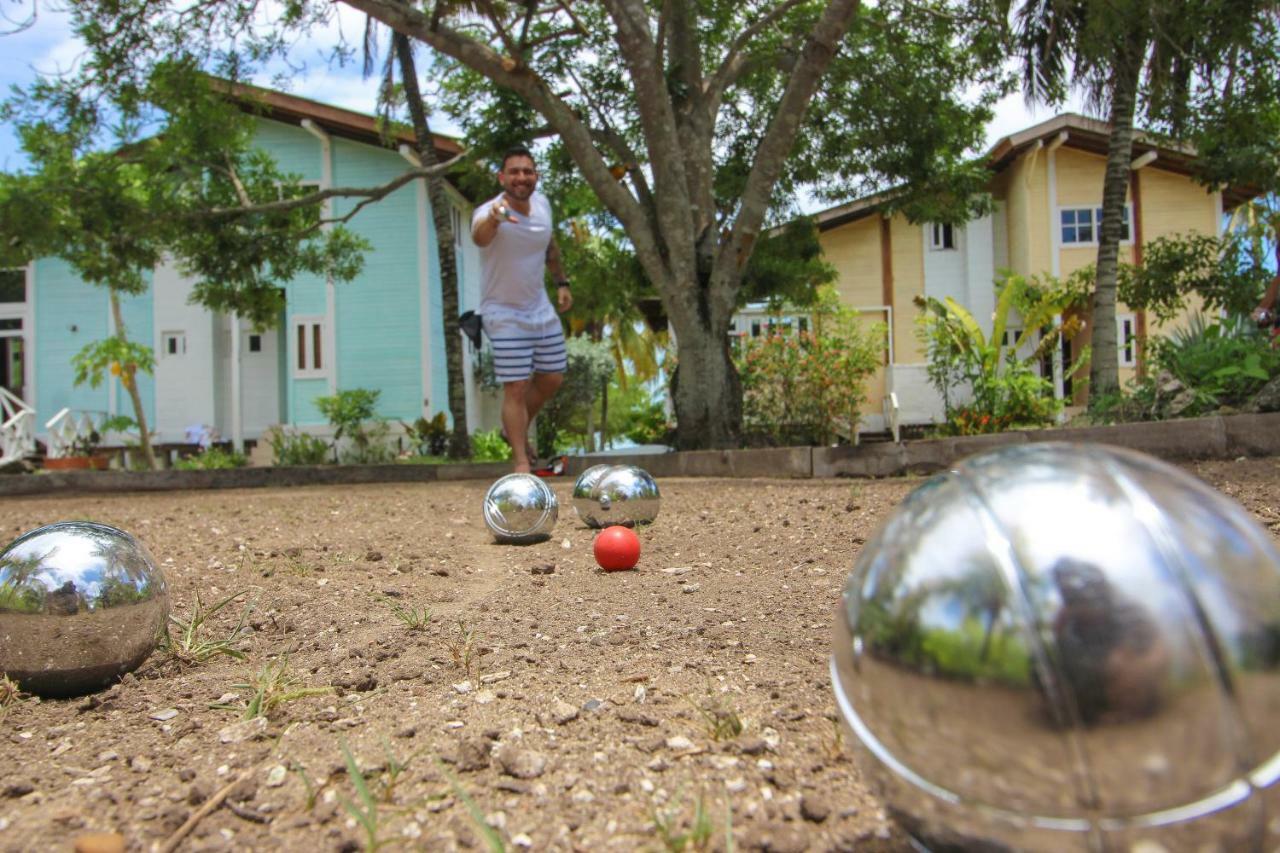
(260, 379)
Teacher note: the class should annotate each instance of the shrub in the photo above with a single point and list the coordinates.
(213, 458)
(1194, 371)
(293, 447)
(809, 387)
(1006, 388)
(489, 446)
(430, 437)
(353, 414)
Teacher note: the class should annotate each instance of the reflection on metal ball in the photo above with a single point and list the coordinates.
(81, 604)
(1265, 318)
(625, 495)
(520, 509)
(1061, 647)
(583, 504)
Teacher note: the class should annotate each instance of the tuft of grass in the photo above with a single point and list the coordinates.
(462, 648)
(414, 618)
(695, 835)
(273, 686)
(10, 694)
(191, 645)
(492, 839)
(365, 808)
(722, 723)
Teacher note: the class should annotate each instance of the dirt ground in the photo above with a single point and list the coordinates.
(546, 705)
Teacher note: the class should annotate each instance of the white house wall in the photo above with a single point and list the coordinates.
(185, 381)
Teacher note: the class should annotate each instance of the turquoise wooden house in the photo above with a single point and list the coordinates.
(384, 330)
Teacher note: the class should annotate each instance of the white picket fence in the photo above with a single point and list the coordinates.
(67, 426)
(17, 428)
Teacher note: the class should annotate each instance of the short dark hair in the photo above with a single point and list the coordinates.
(516, 151)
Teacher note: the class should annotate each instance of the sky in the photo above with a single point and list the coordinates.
(50, 47)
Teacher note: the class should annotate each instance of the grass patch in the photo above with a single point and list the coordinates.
(192, 645)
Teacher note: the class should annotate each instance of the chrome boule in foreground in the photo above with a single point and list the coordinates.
(1060, 647)
(583, 504)
(625, 495)
(520, 509)
(81, 604)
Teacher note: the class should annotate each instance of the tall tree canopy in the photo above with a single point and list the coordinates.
(690, 121)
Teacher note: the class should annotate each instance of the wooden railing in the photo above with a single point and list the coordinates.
(67, 427)
(17, 427)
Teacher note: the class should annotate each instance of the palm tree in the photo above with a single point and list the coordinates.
(401, 57)
(1123, 54)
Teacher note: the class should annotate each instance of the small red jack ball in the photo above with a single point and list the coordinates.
(617, 548)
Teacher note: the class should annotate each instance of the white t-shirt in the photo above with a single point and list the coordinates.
(513, 264)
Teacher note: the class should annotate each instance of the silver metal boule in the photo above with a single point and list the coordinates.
(583, 504)
(81, 604)
(1061, 647)
(625, 495)
(520, 509)
(1265, 318)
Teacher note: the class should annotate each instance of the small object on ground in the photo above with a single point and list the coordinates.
(81, 604)
(1052, 601)
(100, 842)
(520, 509)
(554, 467)
(624, 495)
(617, 548)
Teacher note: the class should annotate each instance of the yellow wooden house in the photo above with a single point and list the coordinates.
(1047, 185)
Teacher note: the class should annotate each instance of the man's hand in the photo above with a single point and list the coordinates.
(499, 212)
(564, 299)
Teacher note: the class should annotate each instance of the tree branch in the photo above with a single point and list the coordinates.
(573, 131)
(734, 60)
(368, 194)
(820, 48)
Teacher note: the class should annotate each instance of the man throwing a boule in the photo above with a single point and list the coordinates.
(517, 247)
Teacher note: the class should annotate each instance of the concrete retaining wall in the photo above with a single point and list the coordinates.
(1220, 437)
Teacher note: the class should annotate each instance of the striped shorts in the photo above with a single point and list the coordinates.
(520, 350)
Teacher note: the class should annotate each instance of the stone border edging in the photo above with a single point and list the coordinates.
(1216, 437)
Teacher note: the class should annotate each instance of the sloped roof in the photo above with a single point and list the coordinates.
(349, 124)
(1082, 133)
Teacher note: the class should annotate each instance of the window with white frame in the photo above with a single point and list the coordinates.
(941, 236)
(1127, 339)
(173, 344)
(1081, 225)
(308, 347)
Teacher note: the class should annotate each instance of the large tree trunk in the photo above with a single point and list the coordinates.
(705, 389)
(129, 379)
(1104, 365)
(459, 439)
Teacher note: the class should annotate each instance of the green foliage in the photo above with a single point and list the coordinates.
(489, 446)
(1006, 388)
(1195, 371)
(274, 685)
(787, 267)
(191, 645)
(115, 355)
(211, 459)
(353, 415)
(809, 387)
(590, 367)
(294, 447)
(1219, 270)
(641, 418)
(131, 167)
(430, 437)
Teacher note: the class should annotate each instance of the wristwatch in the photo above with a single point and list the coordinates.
(562, 283)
